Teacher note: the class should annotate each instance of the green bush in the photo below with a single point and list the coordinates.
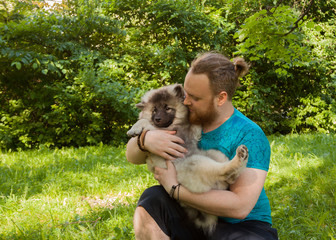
(58, 85)
(71, 75)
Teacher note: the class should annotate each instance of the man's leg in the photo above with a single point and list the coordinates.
(249, 230)
(161, 217)
(145, 227)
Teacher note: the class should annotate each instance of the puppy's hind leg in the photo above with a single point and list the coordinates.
(233, 169)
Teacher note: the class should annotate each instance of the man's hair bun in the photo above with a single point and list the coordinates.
(241, 67)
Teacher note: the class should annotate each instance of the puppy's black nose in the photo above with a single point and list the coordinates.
(157, 119)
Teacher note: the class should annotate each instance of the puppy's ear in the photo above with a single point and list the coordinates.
(179, 91)
(140, 105)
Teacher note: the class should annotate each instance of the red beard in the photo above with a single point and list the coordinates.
(203, 118)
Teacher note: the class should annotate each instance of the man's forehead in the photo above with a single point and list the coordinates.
(189, 89)
(196, 84)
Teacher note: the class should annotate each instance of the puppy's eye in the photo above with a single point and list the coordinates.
(167, 108)
(155, 110)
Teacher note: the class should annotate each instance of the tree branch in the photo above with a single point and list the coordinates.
(296, 24)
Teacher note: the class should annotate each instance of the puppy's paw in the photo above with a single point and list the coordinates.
(134, 131)
(242, 153)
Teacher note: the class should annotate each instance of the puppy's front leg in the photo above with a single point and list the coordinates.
(139, 126)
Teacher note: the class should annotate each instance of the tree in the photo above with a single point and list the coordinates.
(72, 75)
(287, 68)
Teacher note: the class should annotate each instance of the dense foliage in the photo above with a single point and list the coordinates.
(70, 74)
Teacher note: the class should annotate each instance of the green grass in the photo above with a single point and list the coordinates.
(91, 192)
(84, 193)
(301, 186)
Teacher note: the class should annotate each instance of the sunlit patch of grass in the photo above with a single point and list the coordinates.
(83, 193)
(301, 186)
(91, 192)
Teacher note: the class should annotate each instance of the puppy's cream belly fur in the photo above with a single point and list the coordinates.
(200, 173)
(215, 155)
(155, 161)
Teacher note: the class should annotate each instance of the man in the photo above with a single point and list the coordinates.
(244, 209)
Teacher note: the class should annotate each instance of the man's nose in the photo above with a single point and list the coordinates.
(186, 101)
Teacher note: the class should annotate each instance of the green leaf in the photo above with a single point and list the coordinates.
(17, 65)
(310, 24)
(255, 58)
(318, 28)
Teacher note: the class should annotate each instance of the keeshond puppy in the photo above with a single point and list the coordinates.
(199, 171)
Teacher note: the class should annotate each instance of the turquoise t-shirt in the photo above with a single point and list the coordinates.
(238, 130)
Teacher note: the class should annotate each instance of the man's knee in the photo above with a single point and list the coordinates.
(145, 226)
(141, 219)
(153, 195)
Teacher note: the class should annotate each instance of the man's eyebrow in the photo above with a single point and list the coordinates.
(190, 95)
(193, 96)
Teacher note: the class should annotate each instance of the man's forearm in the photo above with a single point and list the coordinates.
(133, 153)
(215, 202)
(235, 203)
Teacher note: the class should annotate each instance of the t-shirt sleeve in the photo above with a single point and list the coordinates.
(259, 149)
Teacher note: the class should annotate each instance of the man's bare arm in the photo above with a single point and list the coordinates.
(163, 143)
(133, 153)
(236, 203)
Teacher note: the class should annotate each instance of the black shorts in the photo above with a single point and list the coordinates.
(174, 222)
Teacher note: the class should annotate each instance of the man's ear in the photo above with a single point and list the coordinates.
(140, 105)
(222, 98)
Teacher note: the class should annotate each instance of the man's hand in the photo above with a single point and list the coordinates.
(164, 144)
